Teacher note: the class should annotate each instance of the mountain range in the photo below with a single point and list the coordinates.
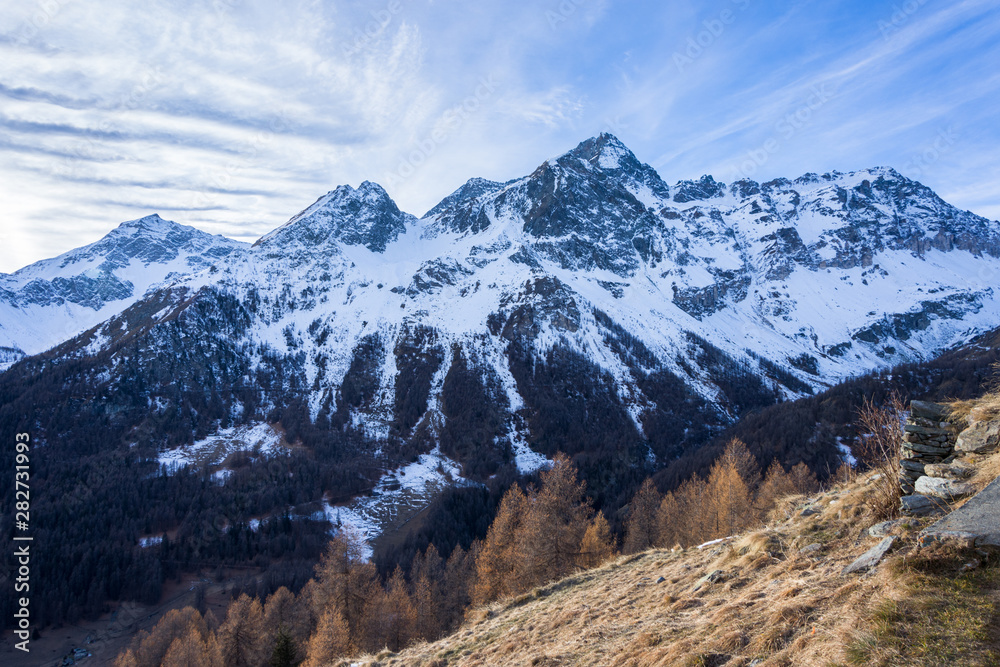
(53, 300)
(194, 402)
(591, 270)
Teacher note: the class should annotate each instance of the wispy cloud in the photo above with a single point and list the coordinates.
(232, 115)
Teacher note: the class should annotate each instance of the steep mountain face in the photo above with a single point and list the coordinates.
(364, 217)
(53, 300)
(588, 308)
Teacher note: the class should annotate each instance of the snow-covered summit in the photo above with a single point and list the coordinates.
(589, 277)
(465, 195)
(152, 223)
(365, 216)
(52, 300)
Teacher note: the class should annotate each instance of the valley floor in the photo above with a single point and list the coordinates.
(113, 632)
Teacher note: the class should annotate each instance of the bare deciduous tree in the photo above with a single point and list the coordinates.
(879, 450)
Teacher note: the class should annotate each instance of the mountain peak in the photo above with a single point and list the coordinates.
(705, 187)
(364, 216)
(151, 219)
(605, 151)
(887, 173)
(149, 223)
(471, 189)
(368, 192)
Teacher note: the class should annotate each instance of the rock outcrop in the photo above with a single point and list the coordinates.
(980, 438)
(872, 557)
(975, 524)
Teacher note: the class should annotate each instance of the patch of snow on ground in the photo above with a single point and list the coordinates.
(145, 542)
(221, 476)
(213, 450)
(711, 542)
(846, 455)
(528, 460)
(398, 496)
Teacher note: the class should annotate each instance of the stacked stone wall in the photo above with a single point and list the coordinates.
(928, 437)
(938, 454)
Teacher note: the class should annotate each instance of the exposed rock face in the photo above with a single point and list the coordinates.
(367, 217)
(542, 303)
(980, 438)
(918, 505)
(975, 523)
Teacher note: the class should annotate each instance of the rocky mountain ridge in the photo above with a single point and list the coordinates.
(587, 308)
(595, 307)
(53, 300)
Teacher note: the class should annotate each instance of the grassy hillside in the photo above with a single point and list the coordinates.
(775, 596)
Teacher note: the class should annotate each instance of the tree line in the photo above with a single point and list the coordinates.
(540, 533)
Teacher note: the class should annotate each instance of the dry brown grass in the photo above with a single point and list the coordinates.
(984, 408)
(987, 470)
(761, 545)
(771, 606)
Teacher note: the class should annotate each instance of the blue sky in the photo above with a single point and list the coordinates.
(233, 115)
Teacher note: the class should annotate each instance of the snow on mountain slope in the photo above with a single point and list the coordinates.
(259, 439)
(587, 307)
(53, 300)
(398, 497)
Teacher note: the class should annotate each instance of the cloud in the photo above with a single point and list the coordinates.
(234, 114)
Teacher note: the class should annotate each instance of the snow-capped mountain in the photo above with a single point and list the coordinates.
(588, 307)
(53, 300)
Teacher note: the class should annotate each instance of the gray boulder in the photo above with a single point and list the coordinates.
(980, 438)
(945, 489)
(885, 528)
(712, 577)
(872, 557)
(956, 470)
(975, 522)
(917, 505)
